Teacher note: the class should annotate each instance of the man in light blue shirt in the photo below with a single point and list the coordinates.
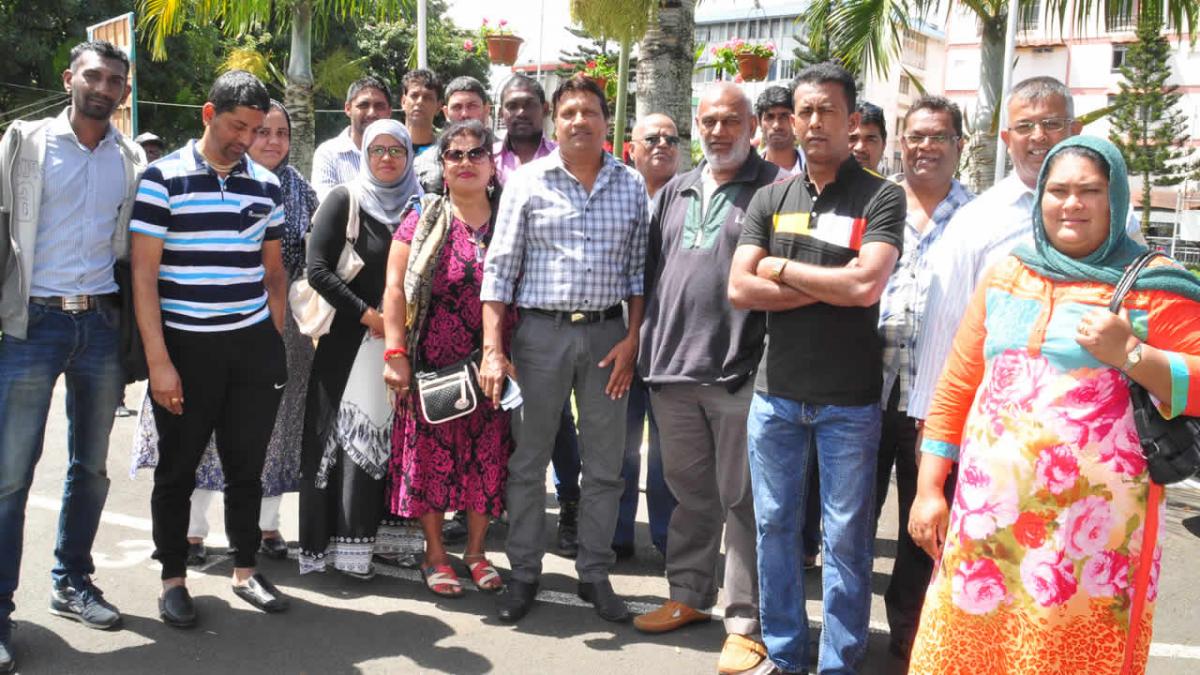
(66, 193)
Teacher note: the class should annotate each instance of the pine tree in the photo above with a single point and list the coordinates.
(1147, 124)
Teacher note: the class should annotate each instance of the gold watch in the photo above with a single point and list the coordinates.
(779, 270)
(1133, 358)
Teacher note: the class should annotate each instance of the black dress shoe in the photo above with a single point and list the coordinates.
(176, 608)
(197, 554)
(608, 605)
(262, 594)
(515, 601)
(274, 548)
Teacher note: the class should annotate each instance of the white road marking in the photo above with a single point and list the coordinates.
(1157, 649)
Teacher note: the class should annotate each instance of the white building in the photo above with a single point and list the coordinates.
(1087, 59)
(922, 58)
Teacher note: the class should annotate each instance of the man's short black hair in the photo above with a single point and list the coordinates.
(102, 48)
(869, 113)
(368, 82)
(468, 84)
(422, 77)
(523, 83)
(239, 88)
(579, 84)
(772, 97)
(820, 73)
(938, 104)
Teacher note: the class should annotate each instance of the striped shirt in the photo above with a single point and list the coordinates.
(981, 234)
(335, 161)
(211, 275)
(902, 308)
(559, 248)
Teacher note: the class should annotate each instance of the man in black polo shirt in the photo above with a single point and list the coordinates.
(815, 254)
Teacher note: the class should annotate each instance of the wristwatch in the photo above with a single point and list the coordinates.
(1134, 357)
(778, 271)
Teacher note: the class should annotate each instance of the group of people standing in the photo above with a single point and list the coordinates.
(781, 318)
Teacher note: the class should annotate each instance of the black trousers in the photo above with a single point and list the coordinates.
(912, 568)
(232, 383)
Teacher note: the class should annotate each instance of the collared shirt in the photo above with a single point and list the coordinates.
(82, 192)
(335, 161)
(902, 308)
(821, 353)
(797, 168)
(211, 275)
(558, 247)
(691, 333)
(429, 171)
(508, 161)
(981, 234)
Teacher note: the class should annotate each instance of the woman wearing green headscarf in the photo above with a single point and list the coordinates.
(1049, 555)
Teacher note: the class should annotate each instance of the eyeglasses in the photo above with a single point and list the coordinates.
(916, 140)
(1048, 125)
(476, 155)
(393, 151)
(652, 141)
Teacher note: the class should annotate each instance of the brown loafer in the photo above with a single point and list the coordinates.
(673, 614)
(740, 654)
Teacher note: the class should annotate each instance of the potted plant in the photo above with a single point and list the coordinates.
(498, 41)
(751, 61)
(601, 70)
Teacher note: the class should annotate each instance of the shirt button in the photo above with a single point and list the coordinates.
(586, 302)
(589, 269)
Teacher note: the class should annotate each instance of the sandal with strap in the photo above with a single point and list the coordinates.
(442, 581)
(485, 576)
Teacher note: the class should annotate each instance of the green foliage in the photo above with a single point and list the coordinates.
(334, 73)
(1147, 124)
(614, 19)
(597, 49)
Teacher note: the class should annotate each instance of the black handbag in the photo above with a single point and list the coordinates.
(1171, 447)
(450, 392)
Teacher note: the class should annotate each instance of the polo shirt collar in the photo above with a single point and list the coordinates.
(195, 161)
(846, 171)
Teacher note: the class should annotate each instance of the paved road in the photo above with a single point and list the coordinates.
(392, 625)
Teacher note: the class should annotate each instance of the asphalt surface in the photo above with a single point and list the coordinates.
(392, 624)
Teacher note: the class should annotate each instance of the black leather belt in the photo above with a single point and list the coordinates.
(580, 316)
(73, 303)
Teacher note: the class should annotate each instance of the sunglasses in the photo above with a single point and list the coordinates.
(652, 141)
(393, 151)
(475, 155)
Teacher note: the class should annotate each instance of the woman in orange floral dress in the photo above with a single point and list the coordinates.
(1049, 555)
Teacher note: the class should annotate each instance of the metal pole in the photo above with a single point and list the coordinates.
(1010, 49)
(541, 39)
(422, 39)
(622, 85)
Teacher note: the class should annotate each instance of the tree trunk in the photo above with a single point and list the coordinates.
(991, 79)
(298, 95)
(664, 71)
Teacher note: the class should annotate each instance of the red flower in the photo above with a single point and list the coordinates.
(1030, 530)
(591, 64)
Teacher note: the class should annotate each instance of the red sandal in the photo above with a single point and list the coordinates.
(486, 578)
(442, 581)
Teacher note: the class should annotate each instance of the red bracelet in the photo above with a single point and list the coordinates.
(390, 354)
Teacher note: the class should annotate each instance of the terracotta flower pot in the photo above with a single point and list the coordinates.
(753, 68)
(601, 82)
(502, 49)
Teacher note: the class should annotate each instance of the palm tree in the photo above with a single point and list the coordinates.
(666, 58)
(870, 32)
(161, 19)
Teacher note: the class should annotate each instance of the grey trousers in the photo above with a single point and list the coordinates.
(553, 358)
(703, 434)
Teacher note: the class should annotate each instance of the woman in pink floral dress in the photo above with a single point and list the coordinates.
(433, 318)
(1050, 554)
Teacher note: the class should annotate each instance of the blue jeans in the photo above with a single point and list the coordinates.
(781, 437)
(565, 458)
(84, 347)
(659, 500)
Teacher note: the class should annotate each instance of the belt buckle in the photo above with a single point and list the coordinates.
(76, 303)
(578, 317)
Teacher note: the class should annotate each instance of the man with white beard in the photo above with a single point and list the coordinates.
(698, 357)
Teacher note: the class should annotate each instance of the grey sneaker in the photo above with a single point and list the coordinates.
(7, 662)
(86, 605)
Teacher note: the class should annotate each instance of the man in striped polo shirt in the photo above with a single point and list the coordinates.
(209, 291)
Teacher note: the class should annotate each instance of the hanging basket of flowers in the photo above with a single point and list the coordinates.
(600, 70)
(750, 61)
(498, 41)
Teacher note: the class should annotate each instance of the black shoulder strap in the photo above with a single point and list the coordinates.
(1127, 280)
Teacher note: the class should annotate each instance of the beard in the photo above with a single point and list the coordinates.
(94, 107)
(730, 159)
